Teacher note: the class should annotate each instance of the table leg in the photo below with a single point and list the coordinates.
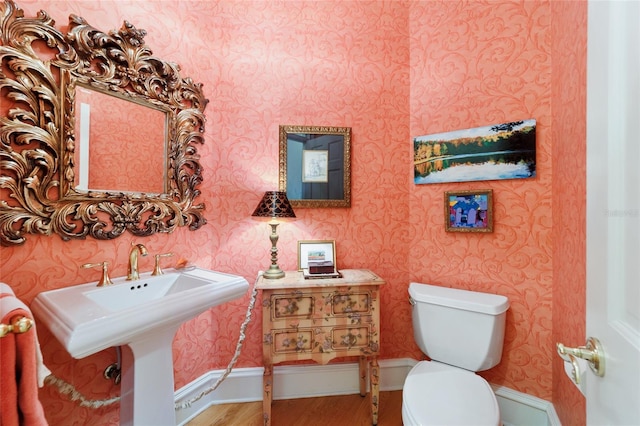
(267, 394)
(375, 389)
(362, 370)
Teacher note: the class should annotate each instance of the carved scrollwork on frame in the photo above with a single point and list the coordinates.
(40, 71)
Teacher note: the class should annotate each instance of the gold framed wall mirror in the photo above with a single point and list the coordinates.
(79, 155)
(315, 165)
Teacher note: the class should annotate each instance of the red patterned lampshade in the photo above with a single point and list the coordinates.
(274, 204)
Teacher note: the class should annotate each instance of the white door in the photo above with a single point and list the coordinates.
(613, 209)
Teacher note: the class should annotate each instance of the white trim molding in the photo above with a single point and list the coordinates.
(304, 381)
(517, 408)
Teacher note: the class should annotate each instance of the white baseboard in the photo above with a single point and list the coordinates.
(517, 408)
(303, 381)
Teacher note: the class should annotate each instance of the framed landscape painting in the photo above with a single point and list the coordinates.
(501, 151)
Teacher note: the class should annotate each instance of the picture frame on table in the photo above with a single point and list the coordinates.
(316, 251)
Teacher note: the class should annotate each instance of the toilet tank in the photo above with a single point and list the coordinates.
(459, 327)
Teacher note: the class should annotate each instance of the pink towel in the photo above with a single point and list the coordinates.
(19, 403)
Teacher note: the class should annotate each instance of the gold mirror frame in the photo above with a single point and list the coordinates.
(37, 134)
(340, 177)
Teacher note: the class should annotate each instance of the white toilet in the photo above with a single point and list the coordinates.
(461, 332)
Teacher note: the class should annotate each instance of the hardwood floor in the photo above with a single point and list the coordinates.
(346, 410)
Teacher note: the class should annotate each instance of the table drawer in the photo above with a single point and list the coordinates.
(345, 340)
(322, 305)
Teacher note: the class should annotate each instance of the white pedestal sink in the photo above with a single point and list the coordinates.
(142, 316)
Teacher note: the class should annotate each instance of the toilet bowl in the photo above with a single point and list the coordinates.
(438, 394)
(461, 332)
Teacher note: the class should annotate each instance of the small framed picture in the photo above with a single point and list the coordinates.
(315, 166)
(468, 211)
(315, 251)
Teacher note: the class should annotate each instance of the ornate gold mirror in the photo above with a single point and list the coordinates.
(315, 165)
(108, 133)
(98, 136)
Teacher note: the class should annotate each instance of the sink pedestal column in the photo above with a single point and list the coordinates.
(147, 393)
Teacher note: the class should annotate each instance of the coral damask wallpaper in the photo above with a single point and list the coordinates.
(474, 66)
(390, 70)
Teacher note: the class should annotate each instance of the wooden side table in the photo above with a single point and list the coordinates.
(321, 319)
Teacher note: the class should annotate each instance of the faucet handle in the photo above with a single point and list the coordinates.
(156, 269)
(104, 280)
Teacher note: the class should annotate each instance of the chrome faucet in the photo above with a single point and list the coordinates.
(132, 270)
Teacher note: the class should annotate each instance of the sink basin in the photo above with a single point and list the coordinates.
(87, 319)
(136, 293)
(142, 317)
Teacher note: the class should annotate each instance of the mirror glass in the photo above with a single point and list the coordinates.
(315, 165)
(100, 136)
(108, 132)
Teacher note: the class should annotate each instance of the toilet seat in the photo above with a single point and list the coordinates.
(437, 394)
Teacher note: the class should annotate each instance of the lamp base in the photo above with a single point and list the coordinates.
(274, 272)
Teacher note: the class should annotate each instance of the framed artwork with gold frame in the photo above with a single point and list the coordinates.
(468, 211)
(315, 165)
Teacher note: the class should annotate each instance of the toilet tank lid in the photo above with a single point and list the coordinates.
(487, 303)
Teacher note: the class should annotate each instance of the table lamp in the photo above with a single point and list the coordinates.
(274, 204)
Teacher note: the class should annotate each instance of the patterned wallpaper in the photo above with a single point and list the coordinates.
(472, 65)
(389, 70)
(569, 190)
